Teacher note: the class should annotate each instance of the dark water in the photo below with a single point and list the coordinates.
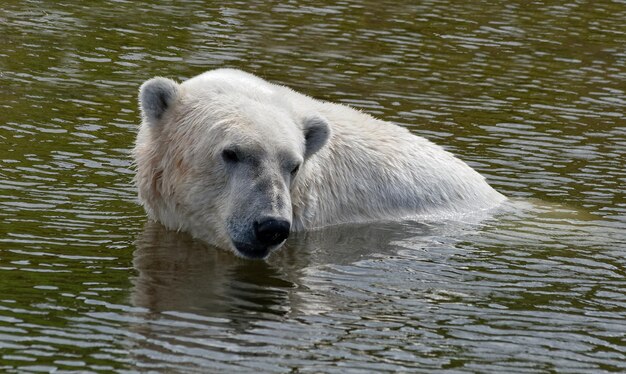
(531, 95)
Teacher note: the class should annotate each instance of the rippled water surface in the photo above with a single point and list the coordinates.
(531, 95)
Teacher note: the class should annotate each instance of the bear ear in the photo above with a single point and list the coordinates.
(156, 96)
(316, 134)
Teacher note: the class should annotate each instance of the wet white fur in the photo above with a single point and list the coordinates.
(364, 170)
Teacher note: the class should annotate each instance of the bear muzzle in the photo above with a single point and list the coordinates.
(269, 234)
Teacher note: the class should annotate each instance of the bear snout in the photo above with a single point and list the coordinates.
(267, 234)
(271, 231)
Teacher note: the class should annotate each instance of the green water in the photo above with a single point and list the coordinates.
(530, 94)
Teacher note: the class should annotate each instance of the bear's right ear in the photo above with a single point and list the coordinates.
(156, 96)
(316, 134)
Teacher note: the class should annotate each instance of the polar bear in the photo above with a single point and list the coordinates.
(240, 162)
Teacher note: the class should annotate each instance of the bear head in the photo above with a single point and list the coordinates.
(218, 158)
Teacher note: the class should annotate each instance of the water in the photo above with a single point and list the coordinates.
(531, 95)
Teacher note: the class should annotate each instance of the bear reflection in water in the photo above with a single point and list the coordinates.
(177, 272)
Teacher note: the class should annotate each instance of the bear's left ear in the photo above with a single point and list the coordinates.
(316, 134)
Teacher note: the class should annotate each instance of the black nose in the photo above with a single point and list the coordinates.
(271, 231)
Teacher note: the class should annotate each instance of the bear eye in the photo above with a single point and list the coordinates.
(295, 170)
(230, 155)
